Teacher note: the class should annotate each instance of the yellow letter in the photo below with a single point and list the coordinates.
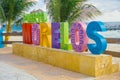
(45, 35)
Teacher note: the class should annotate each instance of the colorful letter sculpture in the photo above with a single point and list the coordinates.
(1, 40)
(64, 36)
(79, 38)
(45, 35)
(27, 33)
(36, 34)
(101, 43)
(35, 17)
(56, 35)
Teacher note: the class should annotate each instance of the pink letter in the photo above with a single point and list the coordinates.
(79, 38)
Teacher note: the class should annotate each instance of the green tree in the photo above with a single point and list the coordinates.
(71, 10)
(11, 10)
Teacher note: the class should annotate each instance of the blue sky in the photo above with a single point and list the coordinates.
(110, 9)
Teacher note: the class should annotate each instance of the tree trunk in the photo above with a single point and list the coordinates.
(8, 30)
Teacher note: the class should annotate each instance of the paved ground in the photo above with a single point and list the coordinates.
(8, 72)
(13, 67)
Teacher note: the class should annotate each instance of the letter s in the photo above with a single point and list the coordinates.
(101, 42)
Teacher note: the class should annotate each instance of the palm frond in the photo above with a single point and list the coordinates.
(71, 10)
(14, 9)
(2, 14)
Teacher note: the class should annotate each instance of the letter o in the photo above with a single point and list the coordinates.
(36, 34)
(79, 38)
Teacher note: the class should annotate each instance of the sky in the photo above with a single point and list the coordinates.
(110, 9)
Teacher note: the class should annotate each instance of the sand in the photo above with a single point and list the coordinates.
(42, 71)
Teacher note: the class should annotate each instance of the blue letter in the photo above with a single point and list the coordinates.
(1, 39)
(101, 43)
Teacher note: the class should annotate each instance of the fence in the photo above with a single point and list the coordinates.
(113, 40)
(2, 42)
(109, 40)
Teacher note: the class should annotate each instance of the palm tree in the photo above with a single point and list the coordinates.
(11, 10)
(71, 10)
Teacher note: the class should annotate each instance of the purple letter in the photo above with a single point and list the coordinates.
(56, 35)
(36, 34)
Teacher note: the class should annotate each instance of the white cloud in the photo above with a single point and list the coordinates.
(109, 17)
(106, 5)
(40, 5)
(110, 9)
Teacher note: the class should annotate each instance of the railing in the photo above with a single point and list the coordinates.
(109, 40)
(113, 53)
(12, 34)
(2, 42)
(113, 40)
